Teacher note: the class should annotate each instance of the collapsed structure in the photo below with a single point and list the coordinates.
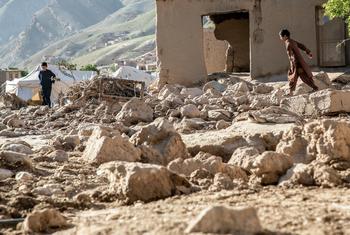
(251, 28)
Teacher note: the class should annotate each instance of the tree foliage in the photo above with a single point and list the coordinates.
(338, 8)
(90, 67)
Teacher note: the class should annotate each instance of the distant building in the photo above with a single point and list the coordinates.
(151, 67)
(141, 67)
(9, 75)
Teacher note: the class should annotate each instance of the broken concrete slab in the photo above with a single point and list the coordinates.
(325, 102)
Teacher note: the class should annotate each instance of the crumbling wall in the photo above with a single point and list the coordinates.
(214, 52)
(180, 35)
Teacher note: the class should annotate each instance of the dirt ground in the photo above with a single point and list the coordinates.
(281, 211)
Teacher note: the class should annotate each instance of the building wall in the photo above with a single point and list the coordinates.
(180, 36)
(214, 52)
(236, 32)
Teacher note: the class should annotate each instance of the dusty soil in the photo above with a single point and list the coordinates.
(281, 211)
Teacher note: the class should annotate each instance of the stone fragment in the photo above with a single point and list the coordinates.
(326, 176)
(299, 174)
(159, 143)
(190, 111)
(43, 221)
(191, 92)
(244, 157)
(135, 111)
(5, 174)
(325, 102)
(212, 164)
(262, 88)
(19, 148)
(269, 166)
(222, 125)
(24, 176)
(59, 156)
(101, 148)
(223, 220)
(144, 182)
(274, 115)
(214, 85)
(15, 161)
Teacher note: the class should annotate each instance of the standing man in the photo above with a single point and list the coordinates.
(298, 66)
(46, 78)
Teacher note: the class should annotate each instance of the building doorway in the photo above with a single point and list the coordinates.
(227, 42)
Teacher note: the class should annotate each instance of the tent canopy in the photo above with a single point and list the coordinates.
(28, 87)
(130, 73)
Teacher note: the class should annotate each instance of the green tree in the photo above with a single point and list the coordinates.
(24, 73)
(90, 67)
(67, 65)
(338, 8)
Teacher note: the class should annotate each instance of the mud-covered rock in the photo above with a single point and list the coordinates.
(104, 146)
(135, 111)
(269, 166)
(142, 182)
(44, 221)
(223, 220)
(159, 143)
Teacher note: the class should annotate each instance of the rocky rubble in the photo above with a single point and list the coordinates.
(230, 134)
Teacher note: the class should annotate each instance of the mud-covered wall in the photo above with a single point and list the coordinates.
(214, 52)
(180, 35)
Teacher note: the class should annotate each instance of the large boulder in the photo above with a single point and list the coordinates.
(159, 143)
(269, 166)
(135, 111)
(103, 146)
(142, 182)
(223, 220)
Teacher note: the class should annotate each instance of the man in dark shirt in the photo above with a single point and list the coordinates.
(46, 78)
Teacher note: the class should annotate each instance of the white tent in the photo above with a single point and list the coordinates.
(130, 73)
(28, 87)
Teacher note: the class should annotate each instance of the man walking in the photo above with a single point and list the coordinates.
(298, 66)
(46, 78)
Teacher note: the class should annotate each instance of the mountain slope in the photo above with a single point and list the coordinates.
(15, 15)
(132, 27)
(57, 20)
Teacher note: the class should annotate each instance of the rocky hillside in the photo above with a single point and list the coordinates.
(88, 31)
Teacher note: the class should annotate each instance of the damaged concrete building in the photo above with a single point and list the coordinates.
(250, 28)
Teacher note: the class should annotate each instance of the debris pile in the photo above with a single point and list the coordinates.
(229, 134)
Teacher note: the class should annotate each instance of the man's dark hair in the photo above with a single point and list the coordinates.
(44, 64)
(285, 32)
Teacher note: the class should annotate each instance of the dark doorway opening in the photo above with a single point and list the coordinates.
(227, 42)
